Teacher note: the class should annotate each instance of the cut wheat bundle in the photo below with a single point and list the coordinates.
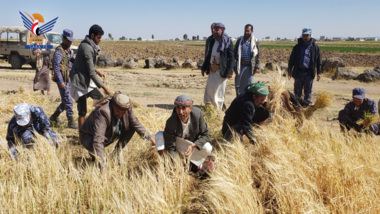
(324, 100)
(369, 119)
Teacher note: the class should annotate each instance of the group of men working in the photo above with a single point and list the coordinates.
(186, 130)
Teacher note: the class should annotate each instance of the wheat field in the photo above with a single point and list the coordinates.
(309, 169)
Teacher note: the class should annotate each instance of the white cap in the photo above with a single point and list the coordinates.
(22, 114)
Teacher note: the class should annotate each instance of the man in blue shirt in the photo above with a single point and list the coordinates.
(27, 121)
(247, 59)
(355, 110)
(62, 63)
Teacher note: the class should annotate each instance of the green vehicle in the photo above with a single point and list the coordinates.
(12, 45)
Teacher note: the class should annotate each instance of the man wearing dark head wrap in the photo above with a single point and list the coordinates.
(219, 60)
(186, 131)
(245, 111)
(112, 120)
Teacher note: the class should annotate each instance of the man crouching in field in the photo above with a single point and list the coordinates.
(28, 121)
(245, 111)
(112, 120)
(358, 109)
(186, 131)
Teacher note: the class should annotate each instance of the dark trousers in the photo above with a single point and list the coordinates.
(298, 100)
(66, 100)
(303, 82)
(351, 124)
(82, 101)
(88, 139)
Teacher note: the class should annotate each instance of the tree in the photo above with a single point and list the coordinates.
(185, 36)
(122, 38)
(198, 37)
(139, 39)
(110, 36)
(152, 36)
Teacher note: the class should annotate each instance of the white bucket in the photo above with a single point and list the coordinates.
(160, 143)
(198, 156)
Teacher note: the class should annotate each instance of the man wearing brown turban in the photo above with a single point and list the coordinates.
(112, 120)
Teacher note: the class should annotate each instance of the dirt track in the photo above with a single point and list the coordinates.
(157, 87)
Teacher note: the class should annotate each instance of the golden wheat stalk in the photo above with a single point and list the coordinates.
(276, 87)
(369, 119)
(314, 170)
(323, 101)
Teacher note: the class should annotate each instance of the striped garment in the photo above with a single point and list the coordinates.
(246, 51)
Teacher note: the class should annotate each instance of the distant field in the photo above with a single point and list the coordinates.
(354, 54)
(342, 46)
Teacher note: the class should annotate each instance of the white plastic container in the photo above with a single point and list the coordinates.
(198, 156)
(160, 143)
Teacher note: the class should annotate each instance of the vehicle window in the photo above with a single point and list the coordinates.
(3, 37)
(54, 38)
(23, 38)
(13, 37)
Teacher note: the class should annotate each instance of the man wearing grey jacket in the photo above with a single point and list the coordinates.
(186, 132)
(84, 76)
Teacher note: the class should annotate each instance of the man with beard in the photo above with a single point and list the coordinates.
(186, 131)
(305, 60)
(112, 120)
(247, 58)
(84, 76)
(62, 63)
(219, 61)
(246, 111)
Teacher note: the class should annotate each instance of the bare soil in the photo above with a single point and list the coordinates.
(159, 87)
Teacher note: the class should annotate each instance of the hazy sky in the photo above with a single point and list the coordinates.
(172, 19)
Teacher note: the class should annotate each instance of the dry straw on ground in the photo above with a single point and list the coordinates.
(313, 170)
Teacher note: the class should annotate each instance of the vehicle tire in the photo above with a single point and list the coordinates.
(33, 64)
(16, 61)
